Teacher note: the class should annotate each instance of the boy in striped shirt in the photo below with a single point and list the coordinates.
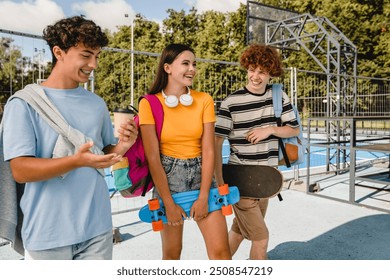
(246, 118)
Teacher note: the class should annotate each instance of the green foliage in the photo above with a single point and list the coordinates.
(212, 35)
(113, 76)
(215, 36)
(13, 74)
(222, 36)
(181, 28)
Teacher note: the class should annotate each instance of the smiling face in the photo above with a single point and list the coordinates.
(182, 70)
(257, 79)
(75, 65)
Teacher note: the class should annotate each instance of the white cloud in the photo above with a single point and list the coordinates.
(216, 5)
(29, 16)
(32, 16)
(108, 14)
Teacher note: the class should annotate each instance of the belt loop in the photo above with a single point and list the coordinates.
(199, 160)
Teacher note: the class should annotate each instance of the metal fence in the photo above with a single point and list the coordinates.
(306, 89)
(371, 97)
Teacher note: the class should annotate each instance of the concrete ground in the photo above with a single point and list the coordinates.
(303, 226)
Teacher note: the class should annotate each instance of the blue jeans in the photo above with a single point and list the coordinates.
(97, 248)
(182, 174)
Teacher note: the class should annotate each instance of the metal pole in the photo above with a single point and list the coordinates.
(92, 81)
(39, 65)
(10, 69)
(132, 65)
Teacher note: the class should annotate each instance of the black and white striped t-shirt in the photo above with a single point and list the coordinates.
(242, 111)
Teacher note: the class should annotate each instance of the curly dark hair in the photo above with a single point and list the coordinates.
(70, 32)
(265, 57)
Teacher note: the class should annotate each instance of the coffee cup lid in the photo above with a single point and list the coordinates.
(123, 110)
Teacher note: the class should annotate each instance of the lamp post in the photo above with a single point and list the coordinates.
(39, 55)
(132, 63)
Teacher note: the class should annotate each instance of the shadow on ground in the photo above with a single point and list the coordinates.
(366, 238)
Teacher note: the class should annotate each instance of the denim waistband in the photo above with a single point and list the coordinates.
(182, 162)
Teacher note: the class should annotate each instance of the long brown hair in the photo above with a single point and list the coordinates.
(169, 54)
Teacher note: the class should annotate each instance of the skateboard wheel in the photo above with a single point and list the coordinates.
(223, 189)
(227, 210)
(157, 225)
(154, 204)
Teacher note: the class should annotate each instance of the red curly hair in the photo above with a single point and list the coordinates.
(265, 57)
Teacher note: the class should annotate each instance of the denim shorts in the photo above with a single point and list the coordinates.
(183, 174)
(96, 248)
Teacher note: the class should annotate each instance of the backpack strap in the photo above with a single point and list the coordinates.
(147, 181)
(157, 111)
(158, 115)
(277, 92)
(277, 100)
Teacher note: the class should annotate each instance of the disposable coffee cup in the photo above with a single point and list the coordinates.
(121, 115)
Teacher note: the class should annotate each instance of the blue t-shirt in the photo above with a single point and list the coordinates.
(60, 212)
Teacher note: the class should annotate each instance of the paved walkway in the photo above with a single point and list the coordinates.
(302, 227)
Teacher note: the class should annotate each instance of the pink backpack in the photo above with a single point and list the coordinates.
(131, 175)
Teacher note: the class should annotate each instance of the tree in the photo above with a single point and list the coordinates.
(221, 36)
(214, 36)
(181, 28)
(114, 71)
(11, 70)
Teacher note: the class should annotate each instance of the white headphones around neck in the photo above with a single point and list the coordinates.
(172, 101)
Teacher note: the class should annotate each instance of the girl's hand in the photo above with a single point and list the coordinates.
(175, 215)
(199, 209)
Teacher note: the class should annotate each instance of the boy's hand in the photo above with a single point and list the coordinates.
(86, 158)
(128, 133)
(257, 134)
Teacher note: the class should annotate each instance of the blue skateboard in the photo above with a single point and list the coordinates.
(219, 198)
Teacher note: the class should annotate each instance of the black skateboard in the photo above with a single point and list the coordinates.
(254, 181)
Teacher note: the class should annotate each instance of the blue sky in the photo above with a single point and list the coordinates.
(31, 16)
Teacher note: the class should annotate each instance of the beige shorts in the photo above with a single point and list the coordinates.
(249, 219)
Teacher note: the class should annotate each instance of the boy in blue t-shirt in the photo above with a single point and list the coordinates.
(66, 217)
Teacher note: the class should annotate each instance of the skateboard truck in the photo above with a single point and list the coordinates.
(226, 207)
(154, 206)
